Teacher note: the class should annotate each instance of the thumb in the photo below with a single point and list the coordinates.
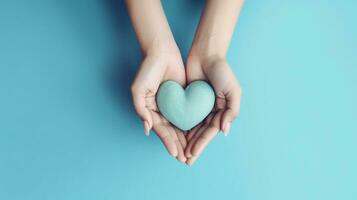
(141, 109)
(231, 110)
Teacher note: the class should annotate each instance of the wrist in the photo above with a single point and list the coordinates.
(162, 45)
(200, 59)
(168, 53)
(206, 46)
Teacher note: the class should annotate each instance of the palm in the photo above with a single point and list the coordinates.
(153, 71)
(228, 92)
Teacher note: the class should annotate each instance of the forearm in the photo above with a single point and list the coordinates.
(151, 26)
(215, 29)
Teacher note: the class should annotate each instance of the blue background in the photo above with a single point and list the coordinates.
(68, 129)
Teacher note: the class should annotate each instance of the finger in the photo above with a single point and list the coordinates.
(180, 154)
(191, 160)
(193, 131)
(151, 102)
(208, 134)
(166, 138)
(181, 138)
(231, 110)
(196, 134)
(190, 144)
(141, 109)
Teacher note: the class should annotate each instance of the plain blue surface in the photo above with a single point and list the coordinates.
(68, 129)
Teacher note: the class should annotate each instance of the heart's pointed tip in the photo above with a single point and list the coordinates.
(185, 130)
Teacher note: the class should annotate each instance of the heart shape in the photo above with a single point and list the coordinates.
(185, 108)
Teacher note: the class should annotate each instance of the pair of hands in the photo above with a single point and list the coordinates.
(160, 67)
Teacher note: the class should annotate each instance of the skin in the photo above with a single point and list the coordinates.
(206, 61)
(228, 93)
(162, 61)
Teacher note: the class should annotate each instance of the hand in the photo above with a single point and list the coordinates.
(154, 70)
(212, 38)
(228, 92)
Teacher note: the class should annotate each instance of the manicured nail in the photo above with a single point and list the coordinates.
(182, 160)
(146, 128)
(188, 163)
(173, 154)
(227, 128)
(191, 160)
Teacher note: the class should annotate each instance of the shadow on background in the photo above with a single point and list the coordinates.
(122, 71)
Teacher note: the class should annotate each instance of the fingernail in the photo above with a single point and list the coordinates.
(182, 160)
(146, 128)
(173, 154)
(227, 128)
(191, 160)
(188, 163)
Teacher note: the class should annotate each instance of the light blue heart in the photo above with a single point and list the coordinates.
(185, 108)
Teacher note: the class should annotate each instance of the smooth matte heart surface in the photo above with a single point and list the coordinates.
(185, 108)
